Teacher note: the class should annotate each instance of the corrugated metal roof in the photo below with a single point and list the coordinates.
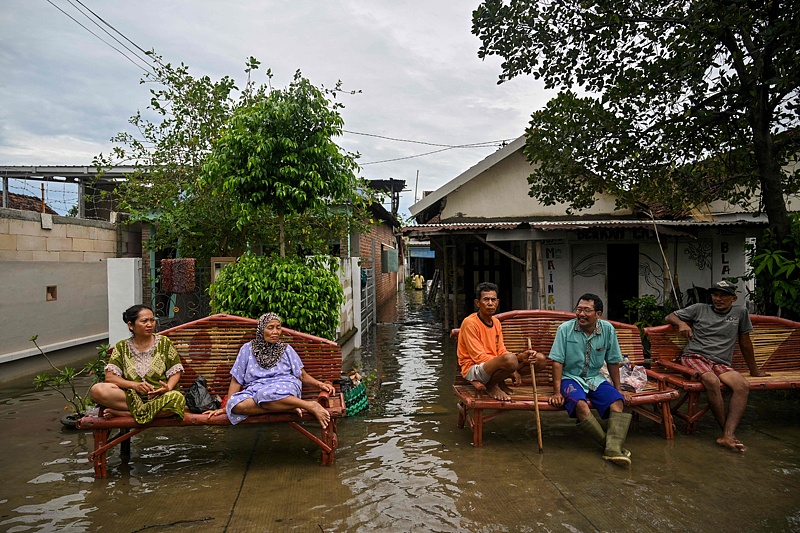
(576, 224)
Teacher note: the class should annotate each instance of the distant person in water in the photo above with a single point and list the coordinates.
(482, 356)
(142, 374)
(268, 376)
(418, 280)
(712, 330)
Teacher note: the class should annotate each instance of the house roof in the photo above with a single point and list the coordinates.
(664, 227)
(24, 202)
(466, 176)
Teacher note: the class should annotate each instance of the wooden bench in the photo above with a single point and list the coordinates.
(208, 347)
(776, 343)
(540, 327)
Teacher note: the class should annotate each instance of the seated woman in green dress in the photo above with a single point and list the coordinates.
(142, 373)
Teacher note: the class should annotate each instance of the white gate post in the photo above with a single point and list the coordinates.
(124, 290)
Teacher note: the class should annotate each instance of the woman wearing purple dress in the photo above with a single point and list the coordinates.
(268, 377)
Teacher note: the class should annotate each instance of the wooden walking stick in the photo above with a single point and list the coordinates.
(536, 403)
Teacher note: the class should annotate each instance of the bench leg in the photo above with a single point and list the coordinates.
(99, 455)
(462, 414)
(477, 427)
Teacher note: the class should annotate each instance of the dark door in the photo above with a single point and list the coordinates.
(623, 278)
(485, 264)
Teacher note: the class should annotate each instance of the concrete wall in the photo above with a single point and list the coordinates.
(502, 191)
(67, 255)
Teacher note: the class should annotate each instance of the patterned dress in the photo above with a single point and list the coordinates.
(158, 363)
(264, 384)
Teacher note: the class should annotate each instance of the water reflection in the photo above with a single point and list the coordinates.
(402, 479)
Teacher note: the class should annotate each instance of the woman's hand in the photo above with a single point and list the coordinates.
(327, 387)
(155, 392)
(216, 412)
(142, 387)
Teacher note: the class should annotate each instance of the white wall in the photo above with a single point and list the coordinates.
(124, 290)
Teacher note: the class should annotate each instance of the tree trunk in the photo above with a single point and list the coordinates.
(769, 169)
(283, 237)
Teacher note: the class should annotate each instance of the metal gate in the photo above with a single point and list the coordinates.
(368, 298)
(173, 309)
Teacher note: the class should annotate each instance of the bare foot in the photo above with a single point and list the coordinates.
(732, 443)
(498, 394)
(480, 387)
(322, 414)
(111, 413)
(504, 387)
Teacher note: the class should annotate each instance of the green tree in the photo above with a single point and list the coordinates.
(686, 102)
(278, 154)
(168, 147)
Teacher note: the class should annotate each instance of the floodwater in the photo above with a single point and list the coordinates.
(402, 466)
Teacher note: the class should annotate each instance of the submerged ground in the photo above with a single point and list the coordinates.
(402, 466)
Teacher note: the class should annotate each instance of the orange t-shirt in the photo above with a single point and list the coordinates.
(478, 343)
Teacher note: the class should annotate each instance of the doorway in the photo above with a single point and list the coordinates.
(623, 278)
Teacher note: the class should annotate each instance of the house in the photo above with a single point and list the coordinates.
(484, 226)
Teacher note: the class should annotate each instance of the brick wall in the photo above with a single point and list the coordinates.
(382, 237)
(22, 238)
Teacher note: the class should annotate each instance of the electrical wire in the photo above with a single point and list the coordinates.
(146, 69)
(470, 145)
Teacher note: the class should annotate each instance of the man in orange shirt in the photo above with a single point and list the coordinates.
(482, 356)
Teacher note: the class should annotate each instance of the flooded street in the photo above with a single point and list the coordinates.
(404, 465)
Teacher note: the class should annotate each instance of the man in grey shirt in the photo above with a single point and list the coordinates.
(712, 330)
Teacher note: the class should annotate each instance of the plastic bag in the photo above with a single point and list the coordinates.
(198, 399)
(633, 379)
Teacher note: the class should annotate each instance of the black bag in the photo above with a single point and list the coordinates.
(198, 399)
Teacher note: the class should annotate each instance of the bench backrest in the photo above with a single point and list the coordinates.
(540, 327)
(776, 343)
(209, 346)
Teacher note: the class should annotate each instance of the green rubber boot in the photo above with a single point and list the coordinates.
(618, 424)
(593, 428)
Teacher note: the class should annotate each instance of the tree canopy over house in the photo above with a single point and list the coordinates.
(682, 102)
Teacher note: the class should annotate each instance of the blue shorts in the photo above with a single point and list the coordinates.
(601, 398)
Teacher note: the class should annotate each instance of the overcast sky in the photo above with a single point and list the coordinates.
(65, 93)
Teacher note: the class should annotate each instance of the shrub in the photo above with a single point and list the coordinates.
(305, 292)
(65, 377)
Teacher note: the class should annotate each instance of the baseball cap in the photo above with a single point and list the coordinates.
(724, 286)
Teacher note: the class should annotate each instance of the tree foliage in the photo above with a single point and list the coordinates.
(169, 145)
(684, 102)
(306, 293)
(278, 153)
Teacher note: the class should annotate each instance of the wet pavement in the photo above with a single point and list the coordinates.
(402, 466)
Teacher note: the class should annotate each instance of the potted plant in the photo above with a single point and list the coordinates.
(64, 378)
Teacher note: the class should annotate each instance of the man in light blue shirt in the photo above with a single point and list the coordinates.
(580, 348)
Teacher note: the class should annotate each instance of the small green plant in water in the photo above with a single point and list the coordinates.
(64, 378)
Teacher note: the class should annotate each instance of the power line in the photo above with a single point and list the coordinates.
(135, 54)
(470, 145)
(422, 155)
(145, 52)
(146, 69)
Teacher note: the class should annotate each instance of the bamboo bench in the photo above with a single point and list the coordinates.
(540, 327)
(776, 343)
(208, 347)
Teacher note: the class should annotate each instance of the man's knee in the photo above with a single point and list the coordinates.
(582, 409)
(509, 362)
(710, 381)
(617, 406)
(736, 382)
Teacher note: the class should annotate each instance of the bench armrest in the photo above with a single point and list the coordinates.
(324, 398)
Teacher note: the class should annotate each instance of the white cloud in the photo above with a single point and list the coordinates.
(65, 93)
